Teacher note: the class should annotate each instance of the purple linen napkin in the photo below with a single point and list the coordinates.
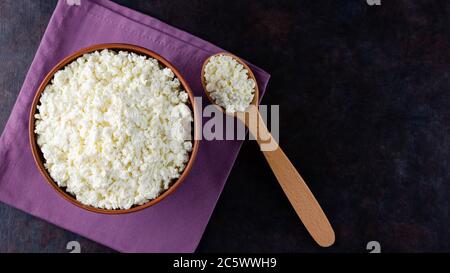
(177, 223)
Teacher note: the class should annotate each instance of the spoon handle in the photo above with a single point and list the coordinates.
(295, 188)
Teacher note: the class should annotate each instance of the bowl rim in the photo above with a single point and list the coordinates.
(37, 154)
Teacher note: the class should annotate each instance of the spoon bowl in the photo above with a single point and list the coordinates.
(254, 102)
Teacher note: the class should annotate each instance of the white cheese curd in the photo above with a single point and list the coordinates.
(228, 83)
(114, 129)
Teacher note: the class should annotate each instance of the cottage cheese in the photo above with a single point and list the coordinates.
(228, 83)
(114, 129)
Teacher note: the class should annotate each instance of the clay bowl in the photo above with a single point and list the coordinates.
(37, 154)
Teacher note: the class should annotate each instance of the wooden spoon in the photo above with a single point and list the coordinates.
(295, 188)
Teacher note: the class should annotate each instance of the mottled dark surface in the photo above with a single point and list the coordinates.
(363, 93)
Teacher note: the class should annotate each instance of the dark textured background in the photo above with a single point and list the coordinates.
(363, 94)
